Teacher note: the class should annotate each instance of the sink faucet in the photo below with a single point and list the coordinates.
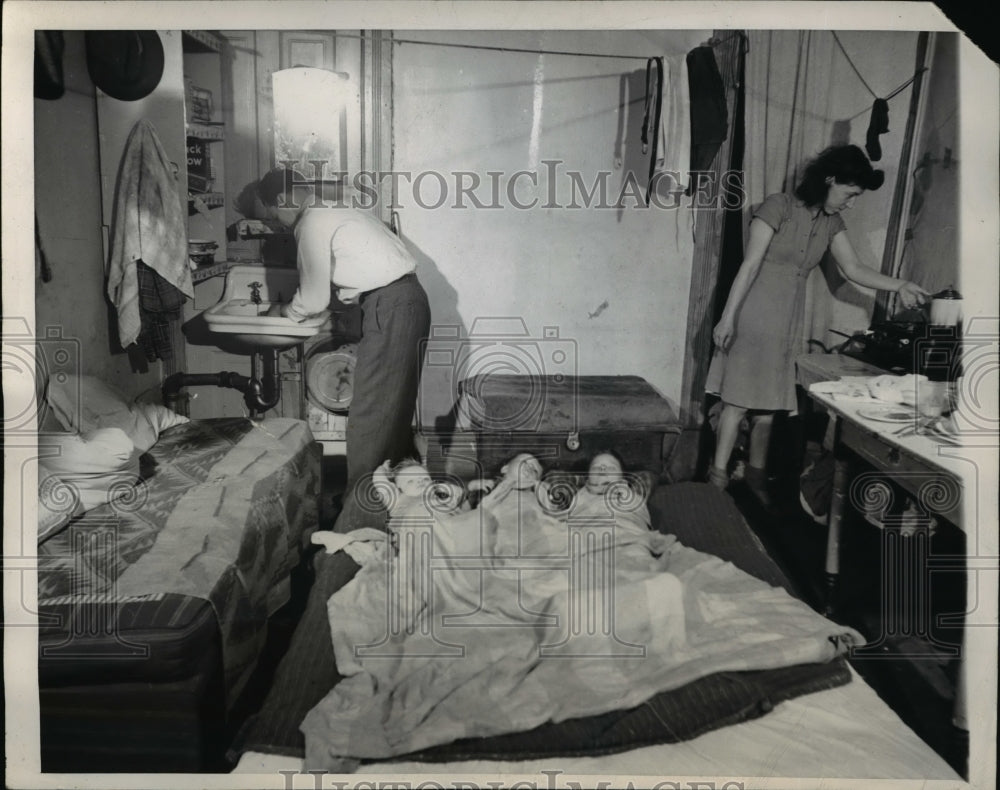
(255, 292)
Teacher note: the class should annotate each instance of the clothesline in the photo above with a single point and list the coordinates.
(519, 49)
(712, 42)
(894, 93)
(865, 82)
(851, 64)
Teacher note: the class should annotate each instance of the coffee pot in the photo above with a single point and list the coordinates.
(946, 308)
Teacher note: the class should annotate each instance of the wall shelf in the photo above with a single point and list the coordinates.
(203, 131)
(201, 41)
(212, 270)
(209, 199)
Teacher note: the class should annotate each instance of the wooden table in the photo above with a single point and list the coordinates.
(912, 461)
(811, 368)
(919, 463)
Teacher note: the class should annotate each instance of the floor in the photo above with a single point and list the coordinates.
(912, 664)
(909, 669)
(283, 622)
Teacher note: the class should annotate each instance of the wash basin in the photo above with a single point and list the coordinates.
(240, 318)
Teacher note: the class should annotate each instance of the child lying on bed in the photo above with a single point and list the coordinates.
(609, 490)
(606, 476)
(407, 492)
(523, 472)
(606, 491)
(407, 489)
(606, 479)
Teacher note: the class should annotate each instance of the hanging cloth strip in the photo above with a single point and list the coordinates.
(654, 96)
(666, 125)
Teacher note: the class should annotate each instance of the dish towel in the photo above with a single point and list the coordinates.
(667, 82)
(148, 227)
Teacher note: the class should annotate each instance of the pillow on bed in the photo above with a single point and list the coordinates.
(78, 472)
(85, 403)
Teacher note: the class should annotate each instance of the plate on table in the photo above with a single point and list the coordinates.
(887, 413)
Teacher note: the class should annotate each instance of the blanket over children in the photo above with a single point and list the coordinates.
(501, 619)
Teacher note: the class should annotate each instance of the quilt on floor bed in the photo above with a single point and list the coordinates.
(221, 517)
(427, 711)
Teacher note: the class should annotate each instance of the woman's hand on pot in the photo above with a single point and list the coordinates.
(912, 295)
(723, 333)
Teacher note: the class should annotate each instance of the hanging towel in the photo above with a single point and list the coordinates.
(148, 227)
(709, 116)
(667, 111)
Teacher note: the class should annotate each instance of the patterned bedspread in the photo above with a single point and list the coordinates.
(222, 517)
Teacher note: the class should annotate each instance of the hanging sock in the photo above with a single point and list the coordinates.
(879, 124)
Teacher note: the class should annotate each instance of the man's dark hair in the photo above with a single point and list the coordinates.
(267, 189)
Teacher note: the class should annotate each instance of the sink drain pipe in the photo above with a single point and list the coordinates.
(261, 389)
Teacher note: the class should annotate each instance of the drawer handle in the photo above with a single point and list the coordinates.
(893, 456)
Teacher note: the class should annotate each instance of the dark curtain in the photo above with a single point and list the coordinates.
(722, 178)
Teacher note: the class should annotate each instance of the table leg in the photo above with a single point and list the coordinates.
(835, 522)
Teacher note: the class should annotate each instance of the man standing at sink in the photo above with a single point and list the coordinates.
(367, 264)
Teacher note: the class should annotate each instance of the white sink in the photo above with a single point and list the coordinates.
(243, 320)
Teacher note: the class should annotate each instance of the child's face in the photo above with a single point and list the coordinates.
(413, 480)
(524, 470)
(604, 470)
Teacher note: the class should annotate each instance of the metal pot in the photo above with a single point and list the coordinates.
(946, 307)
(201, 252)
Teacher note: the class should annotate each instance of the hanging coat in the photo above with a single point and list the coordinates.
(709, 115)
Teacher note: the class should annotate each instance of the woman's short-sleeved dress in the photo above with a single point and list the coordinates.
(758, 370)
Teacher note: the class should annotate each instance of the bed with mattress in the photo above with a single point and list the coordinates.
(157, 579)
(757, 695)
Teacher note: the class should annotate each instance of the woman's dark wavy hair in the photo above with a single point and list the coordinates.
(846, 163)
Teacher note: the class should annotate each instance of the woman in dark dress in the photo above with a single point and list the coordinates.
(760, 331)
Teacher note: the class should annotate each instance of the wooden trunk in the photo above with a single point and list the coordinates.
(565, 420)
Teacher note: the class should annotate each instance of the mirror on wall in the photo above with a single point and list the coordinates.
(927, 245)
(310, 119)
